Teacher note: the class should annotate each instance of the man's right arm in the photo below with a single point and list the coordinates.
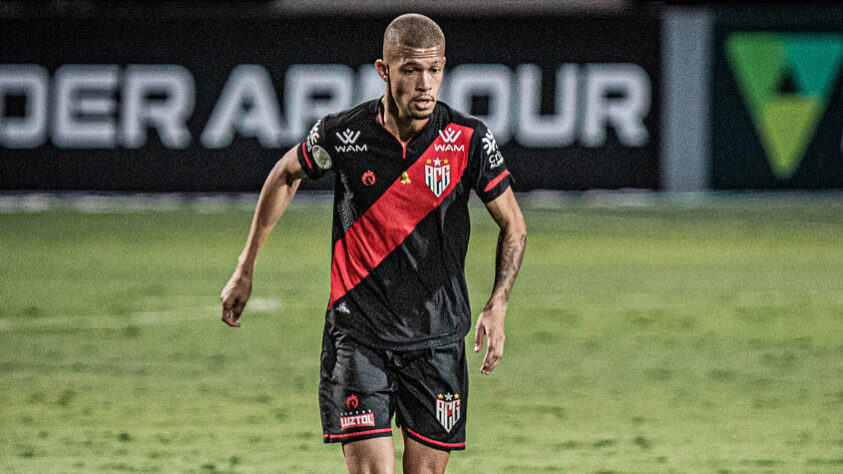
(275, 197)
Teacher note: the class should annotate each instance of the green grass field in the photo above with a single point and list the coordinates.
(668, 337)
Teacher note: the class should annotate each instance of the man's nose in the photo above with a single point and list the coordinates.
(425, 82)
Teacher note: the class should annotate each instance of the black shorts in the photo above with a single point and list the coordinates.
(361, 387)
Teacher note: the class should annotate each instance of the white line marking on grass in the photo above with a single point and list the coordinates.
(146, 318)
(263, 305)
(142, 318)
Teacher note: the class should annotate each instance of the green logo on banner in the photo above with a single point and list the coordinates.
(786, 81)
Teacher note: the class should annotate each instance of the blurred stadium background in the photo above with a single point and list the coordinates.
(680, 164)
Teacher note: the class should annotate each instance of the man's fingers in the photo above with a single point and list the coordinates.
(231, 311)
(229, 318)
(226, 303)
(479, 331)
(238, 308)
(494, 352)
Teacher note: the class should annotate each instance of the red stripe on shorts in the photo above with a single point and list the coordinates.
(437, 443)
(359, 433)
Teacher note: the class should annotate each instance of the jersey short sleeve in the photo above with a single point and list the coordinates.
(313, 152)
(491, 178)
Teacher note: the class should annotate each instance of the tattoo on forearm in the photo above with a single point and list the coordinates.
(510, 252)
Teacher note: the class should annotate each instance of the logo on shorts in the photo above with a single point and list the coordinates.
(351, 401)
(448, 410)
(358, 420)
(355, 418)
(437, 175)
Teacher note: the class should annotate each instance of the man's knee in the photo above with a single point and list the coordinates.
(370, 456)
(421, 459)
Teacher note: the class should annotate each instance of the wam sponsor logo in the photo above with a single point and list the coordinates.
(348, 139)
(449, 136)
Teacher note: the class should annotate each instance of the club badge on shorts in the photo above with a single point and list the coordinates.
(437, 175)
(448, 410)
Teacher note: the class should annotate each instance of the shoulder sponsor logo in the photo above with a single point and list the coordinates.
(349, 140)
(313, 135)
(491, 146)
(449, 136)
(448, 410)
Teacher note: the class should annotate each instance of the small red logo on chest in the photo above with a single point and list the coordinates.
(368, 178)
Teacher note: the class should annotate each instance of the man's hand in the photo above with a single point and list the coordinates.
(276, 194)
(490, 323)
(234, 297)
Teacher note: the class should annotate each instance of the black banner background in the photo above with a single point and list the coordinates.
(210, 49)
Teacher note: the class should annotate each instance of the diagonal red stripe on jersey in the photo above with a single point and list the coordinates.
(394, 216)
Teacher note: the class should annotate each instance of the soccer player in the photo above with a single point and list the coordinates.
(404, 167)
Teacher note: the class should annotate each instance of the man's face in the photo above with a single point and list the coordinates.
(415, 75)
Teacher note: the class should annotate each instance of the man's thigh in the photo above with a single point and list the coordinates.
(432, 396)
(421, 459)
(355, 393)
(370, 456)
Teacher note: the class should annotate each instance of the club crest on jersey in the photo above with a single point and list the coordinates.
(449, 136)
(448, 410)
(349, 140)
(437, 175)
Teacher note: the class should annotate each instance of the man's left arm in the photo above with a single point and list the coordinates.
(511, 243)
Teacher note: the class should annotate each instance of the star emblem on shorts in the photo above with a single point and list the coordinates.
(449, 397)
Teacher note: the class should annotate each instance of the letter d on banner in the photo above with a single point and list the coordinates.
(30, 81)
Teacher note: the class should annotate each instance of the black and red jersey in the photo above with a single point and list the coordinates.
(401, 222)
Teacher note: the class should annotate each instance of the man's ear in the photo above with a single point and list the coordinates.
(382, 68)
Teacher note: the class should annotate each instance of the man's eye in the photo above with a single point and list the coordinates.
(409, 71)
